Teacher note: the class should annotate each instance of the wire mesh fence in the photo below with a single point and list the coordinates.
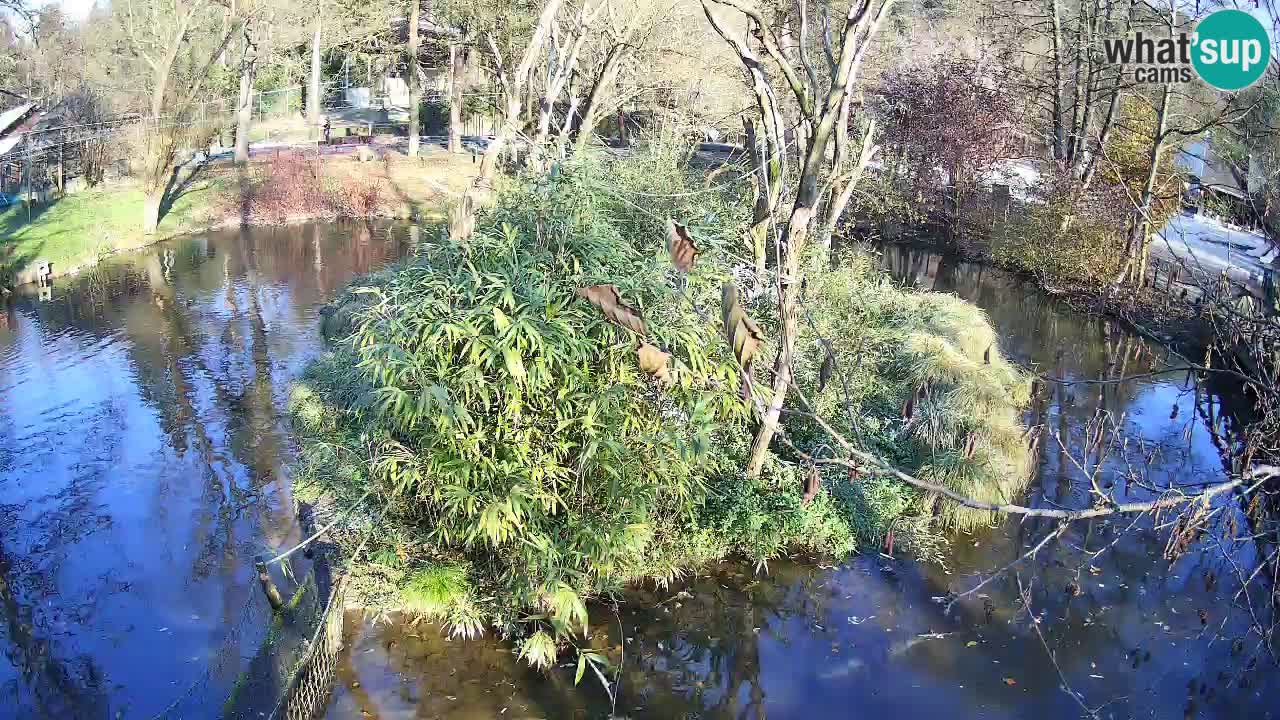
(278, 665)
(307, 693)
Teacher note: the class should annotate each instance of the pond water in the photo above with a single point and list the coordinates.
(1133, 634)
(141, 469)
(141, 451)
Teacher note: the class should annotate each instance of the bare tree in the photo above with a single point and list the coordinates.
(818, 108)
(457, 72)
(514, 83)
(413, 74)
(564, 62)
(616, 47)
(313, 86)
(178, 44)
(244, 103)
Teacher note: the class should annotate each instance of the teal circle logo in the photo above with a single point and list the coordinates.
(1231, 49)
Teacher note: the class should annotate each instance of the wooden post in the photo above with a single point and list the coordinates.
(268, 585)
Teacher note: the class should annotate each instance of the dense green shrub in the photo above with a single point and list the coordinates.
(521, 462)
(488, 404)
(919, 379)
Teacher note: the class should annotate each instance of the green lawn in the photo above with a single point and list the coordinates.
(78, 228)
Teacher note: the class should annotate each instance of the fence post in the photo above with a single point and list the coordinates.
(26, 139)
(268, 585)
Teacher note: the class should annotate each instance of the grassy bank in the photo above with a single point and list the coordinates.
(513, 453)
(75, 231)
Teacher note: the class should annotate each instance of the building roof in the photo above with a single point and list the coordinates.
(1214, 171)
(13, 116)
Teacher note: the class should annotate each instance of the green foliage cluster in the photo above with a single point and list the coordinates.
(523, 463)
(918, 378)
(1063, 238)
(1076, 236)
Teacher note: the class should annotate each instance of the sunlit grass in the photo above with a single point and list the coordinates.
(75, 230)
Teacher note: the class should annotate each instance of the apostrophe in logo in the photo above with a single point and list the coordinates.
(1230, 49)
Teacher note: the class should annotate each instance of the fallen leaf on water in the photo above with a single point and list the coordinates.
(1010, 682)
(971, 643)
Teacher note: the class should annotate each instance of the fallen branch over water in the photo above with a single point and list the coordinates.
(860, 459)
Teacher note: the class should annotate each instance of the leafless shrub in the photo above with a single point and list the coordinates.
(295, 186)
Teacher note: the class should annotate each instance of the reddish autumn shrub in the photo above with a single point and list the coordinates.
(945, 123)
(357, 198)
(294, 186)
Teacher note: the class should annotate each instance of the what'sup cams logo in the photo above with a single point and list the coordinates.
(1229, 49)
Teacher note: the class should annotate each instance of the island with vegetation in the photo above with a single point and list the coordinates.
(614, 316)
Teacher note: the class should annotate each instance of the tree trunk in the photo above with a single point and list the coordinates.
(587, 121)
(762, 209)
(489, 164)
(313, 89)
(795, 235)
(1137, 241)
(788, 288)
(151, 200)
(457, 68)
(562, 139)
(415, 89)
(1059, 130)
(1108, 122)
(244, 109)
(1079, 106)
(854, 176)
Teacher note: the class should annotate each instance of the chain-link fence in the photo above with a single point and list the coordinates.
(306, 695)
(278, 665)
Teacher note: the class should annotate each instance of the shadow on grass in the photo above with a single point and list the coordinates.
(422, 211)
(178, 185)
(12, 223)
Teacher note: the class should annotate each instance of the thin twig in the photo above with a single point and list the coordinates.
(1062, 678)
(1057, 533)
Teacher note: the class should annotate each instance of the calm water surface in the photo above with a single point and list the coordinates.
(1142, 637)
(141, 452)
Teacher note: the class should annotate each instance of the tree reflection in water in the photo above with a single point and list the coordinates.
(141, 451)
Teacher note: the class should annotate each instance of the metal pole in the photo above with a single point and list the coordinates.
(27, 143)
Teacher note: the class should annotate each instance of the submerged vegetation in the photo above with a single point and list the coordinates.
(523, 454)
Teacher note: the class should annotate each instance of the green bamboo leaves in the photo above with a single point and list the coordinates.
(515, 363)
(742, 333)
